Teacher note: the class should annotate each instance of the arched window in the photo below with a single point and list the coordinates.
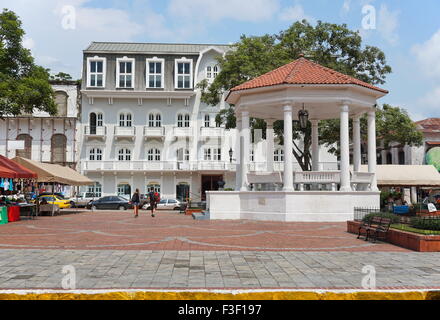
(61, 102)
(124, 155)
(124, 189)
(252, 157)
(207, 121)
(125, 120)
(58, 148)
(209, 72)
(94, 191)
(183, 121)
(154, 155)
(155, 120)
(27, 152)
(215, 72)
(154, 186)
(95, 154)
(278, 155)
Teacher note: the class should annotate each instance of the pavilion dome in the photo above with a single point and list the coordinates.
(303, 72)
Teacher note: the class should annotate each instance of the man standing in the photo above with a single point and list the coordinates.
(153, 202)
(136, 200)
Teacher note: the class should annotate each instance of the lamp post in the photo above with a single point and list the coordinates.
(303, 116)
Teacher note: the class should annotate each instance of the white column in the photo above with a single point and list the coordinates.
(345, 150)
(414, 195)
(245, 151)
(238, 155)
(357, 154)
(270, 145)
(372, 148)
(315, 145)
(288, 147)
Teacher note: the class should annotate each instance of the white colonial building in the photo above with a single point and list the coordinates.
(144, 125)
(50, 139)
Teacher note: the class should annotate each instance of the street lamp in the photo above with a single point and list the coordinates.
(303, 116)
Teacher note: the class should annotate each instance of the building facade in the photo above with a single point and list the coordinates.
(143, 124)
(49, 139)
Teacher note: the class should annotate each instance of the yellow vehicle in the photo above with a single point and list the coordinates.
(62, 203)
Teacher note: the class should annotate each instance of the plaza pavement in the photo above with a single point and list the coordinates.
(112, 250)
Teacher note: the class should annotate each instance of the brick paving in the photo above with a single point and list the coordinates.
(112, 250)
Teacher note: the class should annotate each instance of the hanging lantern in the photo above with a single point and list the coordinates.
(303, 116)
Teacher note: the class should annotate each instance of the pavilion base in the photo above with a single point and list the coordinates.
(309, 206)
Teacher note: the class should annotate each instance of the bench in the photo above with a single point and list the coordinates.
(377, 228)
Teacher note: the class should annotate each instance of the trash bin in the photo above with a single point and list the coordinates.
(3, 215)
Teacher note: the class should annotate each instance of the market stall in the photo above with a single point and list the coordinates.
(15, 180)
(52, 177)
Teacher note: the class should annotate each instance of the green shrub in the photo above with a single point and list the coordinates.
(426, 224)
(394, 218)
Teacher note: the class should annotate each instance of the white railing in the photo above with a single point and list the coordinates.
(95, 131)
(182, 132)
(279, 166)
(361, 181)
(154, 132)
(317, 177)
(125, 131)
(157, 166)
(211, 132)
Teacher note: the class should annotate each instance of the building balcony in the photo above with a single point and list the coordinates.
(154, 132)
(95, 132)
(182, 132)
(125, 133)
(209, 133)
(156, 166)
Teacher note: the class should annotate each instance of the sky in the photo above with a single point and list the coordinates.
(408, 31)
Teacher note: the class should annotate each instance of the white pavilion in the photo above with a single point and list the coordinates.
(302, 90)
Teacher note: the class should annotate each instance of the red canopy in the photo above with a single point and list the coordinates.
(17, 170)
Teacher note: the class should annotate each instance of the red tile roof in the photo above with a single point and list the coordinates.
(303, 71)
(431, 125)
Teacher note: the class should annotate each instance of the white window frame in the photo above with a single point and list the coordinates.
(176, 74)
(118, 72)
(185, 121)
(215, 71)
(126, 120)
(207, 154)
(95, 189)
(95, 154)
(156, 122)
(207, 121)
(278, 155)
(162, 74)
(126, 154)
(209, 72)
(216, 154)
(183, 154)
(89, 70)
(154, 155)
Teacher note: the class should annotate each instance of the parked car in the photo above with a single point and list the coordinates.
(62, 203)
(84, 199)
(110, 203)
(59, 196)
(166, 204)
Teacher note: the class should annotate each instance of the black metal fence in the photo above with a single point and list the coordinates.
(360, 213)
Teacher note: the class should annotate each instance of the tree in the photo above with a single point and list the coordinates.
(24, 86)
(331, 45)
(61, 76)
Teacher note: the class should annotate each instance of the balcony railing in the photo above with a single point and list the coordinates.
(95, 131)
(206, 132)
(112, 166)
(125, 132)
(154, 132)
(182, 132)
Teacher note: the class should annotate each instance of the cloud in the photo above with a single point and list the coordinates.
(431, 102)
(295, 13)
(387, 24)
(215, 11)
(28, 43)
(346, 6)
(428, 55)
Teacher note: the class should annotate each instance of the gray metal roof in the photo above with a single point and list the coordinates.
(172, 48)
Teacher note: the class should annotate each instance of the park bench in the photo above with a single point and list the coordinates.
(377, 228)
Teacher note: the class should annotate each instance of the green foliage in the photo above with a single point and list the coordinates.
(426, 224)
(331, 45)
(61, 76)
(394, 218)
(24, 86)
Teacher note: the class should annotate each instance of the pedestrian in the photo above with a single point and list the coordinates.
(136, 201)
(154, 199)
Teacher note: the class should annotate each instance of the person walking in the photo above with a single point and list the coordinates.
(153, 202)
(136, 201)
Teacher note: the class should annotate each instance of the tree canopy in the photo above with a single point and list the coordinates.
(24, 86)
(331, 45)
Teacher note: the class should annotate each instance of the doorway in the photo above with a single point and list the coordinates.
(210, 183)
(183, 192)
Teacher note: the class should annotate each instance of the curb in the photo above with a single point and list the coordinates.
(222, 295)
